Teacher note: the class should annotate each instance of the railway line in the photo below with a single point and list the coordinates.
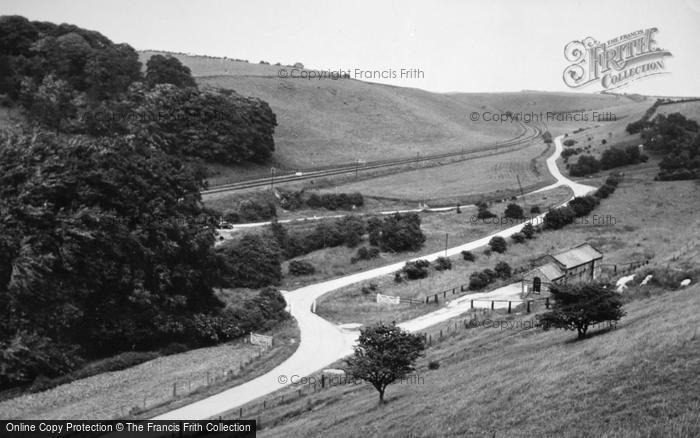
(529, 133)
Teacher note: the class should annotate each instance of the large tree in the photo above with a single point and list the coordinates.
(103, 244)
(384, 354)
(580, 305)
(168, 70)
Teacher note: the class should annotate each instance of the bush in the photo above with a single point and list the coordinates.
(558, 218)
(364, 253)
(335, 201)
(468, 256)
(514, 211)
(443, 263)
(254, 211)
(604, 191)
(433, 365)
(298, 268)
(535, 209)
(400, 232)
(487, 252)
(478, 280)
(416, 269)
(518, 237)
(528, 230)
(485, 214)
(582, 205)
(586, 165)
(503, 270)
(569, 142)
(498, 244)
(253, 261)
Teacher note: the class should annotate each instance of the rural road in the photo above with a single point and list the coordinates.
(322, 342)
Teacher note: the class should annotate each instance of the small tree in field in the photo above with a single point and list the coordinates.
(578, 306)
(514, 211)
(385, 353)
(498, 244)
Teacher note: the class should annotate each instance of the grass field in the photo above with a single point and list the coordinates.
(147, 389)
(485, 176)
(632, 225)
(639, 380)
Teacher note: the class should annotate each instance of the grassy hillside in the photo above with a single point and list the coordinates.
(328, 121)
(639, 380)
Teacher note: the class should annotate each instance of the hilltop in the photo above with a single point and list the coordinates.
(325, 121)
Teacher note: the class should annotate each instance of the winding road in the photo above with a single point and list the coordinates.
(322, 342)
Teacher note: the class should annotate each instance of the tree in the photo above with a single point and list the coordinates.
(51, 104)
(528, 230)
(385, 353)
(580, 305)
(503, 270)
(498, 244)
(168, 70)
(400, 232)
(252, 262)
(547, 137)
(514, 211)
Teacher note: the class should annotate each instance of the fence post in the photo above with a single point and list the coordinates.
(436, 299)
(440, 333)
(492, 303)
(546, 302)
(508, 306)
(528, 306)
(472, 304)
(175, 389)
(240, 413)
(323, 380)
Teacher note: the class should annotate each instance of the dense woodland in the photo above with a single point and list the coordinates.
(105, 245)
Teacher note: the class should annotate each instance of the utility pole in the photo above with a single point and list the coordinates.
(521, 187)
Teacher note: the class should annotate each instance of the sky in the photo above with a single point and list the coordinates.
(468, 46)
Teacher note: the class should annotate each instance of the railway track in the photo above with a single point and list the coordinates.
(529, 133)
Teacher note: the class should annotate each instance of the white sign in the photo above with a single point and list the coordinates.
(261, 340)
(387, 299)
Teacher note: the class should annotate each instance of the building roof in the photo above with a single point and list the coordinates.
(577, 256)
(551, 271)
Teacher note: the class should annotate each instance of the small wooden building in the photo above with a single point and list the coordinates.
(581, 263)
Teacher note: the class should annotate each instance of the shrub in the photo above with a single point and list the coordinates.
(535, 209)
(558, 218)
(491, 274)
(586, 165)
(298, 268)
(569, 142)
(397, 277)
(416, 269)
(232, 217)
(487, 252)
(498, 244)
(401, 232)
(443, 263)
(518, 237)
(503, 270)
(604, 191)
(335, 201)
(364, 253)
(433, 365)
(468, 256)
(478, 280)
(253, 261)
(514, 211)
(528, 230)
(485, 214)
(582, 205)
(254, 211)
